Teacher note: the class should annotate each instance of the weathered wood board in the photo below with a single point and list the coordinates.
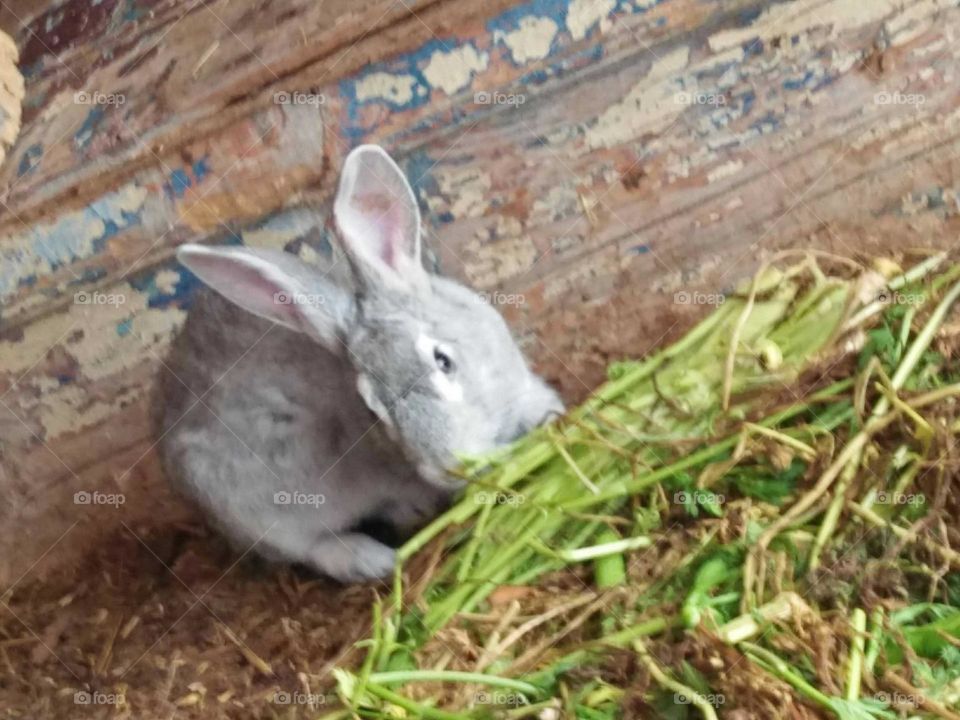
(592, 165)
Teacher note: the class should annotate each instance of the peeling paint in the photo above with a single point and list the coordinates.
(726, 170)
(75, 235)
(584, 14)
(463, 192)
(452, 71)
(495, 262)
(395, 89)
(532, 39)
(795, 18)
(649, 107)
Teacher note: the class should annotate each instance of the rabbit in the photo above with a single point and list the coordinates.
(298, 405)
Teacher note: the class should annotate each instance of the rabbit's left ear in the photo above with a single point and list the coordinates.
(274, 285)
(379, 221)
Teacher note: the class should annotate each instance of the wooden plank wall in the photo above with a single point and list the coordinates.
(588, 163)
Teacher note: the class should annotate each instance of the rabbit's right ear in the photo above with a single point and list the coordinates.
(274, 285)
(379, 221)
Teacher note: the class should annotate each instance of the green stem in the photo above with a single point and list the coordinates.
(418, 710)
(409, 676)
(858, 623)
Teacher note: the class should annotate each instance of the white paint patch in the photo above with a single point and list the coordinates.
(584, 14)
(166, 281)
(531, 40)
(452, 71)
(465, 191)
(798, 17)
(397, 89)
(650, 107)
(726, 170)
(913, 21)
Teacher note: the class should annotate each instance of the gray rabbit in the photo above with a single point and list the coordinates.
(299, 404)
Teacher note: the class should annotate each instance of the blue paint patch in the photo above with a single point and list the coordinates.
(418, 167)
(178, 183)
(798, 83)
(747, 16)
(64, 240)
(768, 123)
(30, 160)
(84, 135)
(182, 179)
(201, 169)
(639, 249)
(407, 64)
(124, 327)
(587, 56)
(90, 275)
(752, 48)
(182, 294)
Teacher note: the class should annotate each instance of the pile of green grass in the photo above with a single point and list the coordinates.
(783, 475)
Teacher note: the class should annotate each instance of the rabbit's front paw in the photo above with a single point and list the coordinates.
(354, 557)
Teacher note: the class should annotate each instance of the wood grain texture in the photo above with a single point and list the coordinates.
(590, 165)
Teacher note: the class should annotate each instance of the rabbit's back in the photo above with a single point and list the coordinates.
(262, 425)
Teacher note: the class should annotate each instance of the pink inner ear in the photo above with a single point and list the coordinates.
(248, 288)
(386, 215)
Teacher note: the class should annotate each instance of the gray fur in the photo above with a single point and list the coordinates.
(338, 394)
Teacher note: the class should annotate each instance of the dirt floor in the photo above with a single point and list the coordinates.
(169, 623)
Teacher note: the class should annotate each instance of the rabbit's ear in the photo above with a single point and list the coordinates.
(379, 221)
(274, 285)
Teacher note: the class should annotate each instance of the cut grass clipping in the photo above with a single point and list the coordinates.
(759, 519)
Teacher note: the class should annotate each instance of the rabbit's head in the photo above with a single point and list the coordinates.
(434, 361)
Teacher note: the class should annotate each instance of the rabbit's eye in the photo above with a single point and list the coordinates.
(443, 361)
